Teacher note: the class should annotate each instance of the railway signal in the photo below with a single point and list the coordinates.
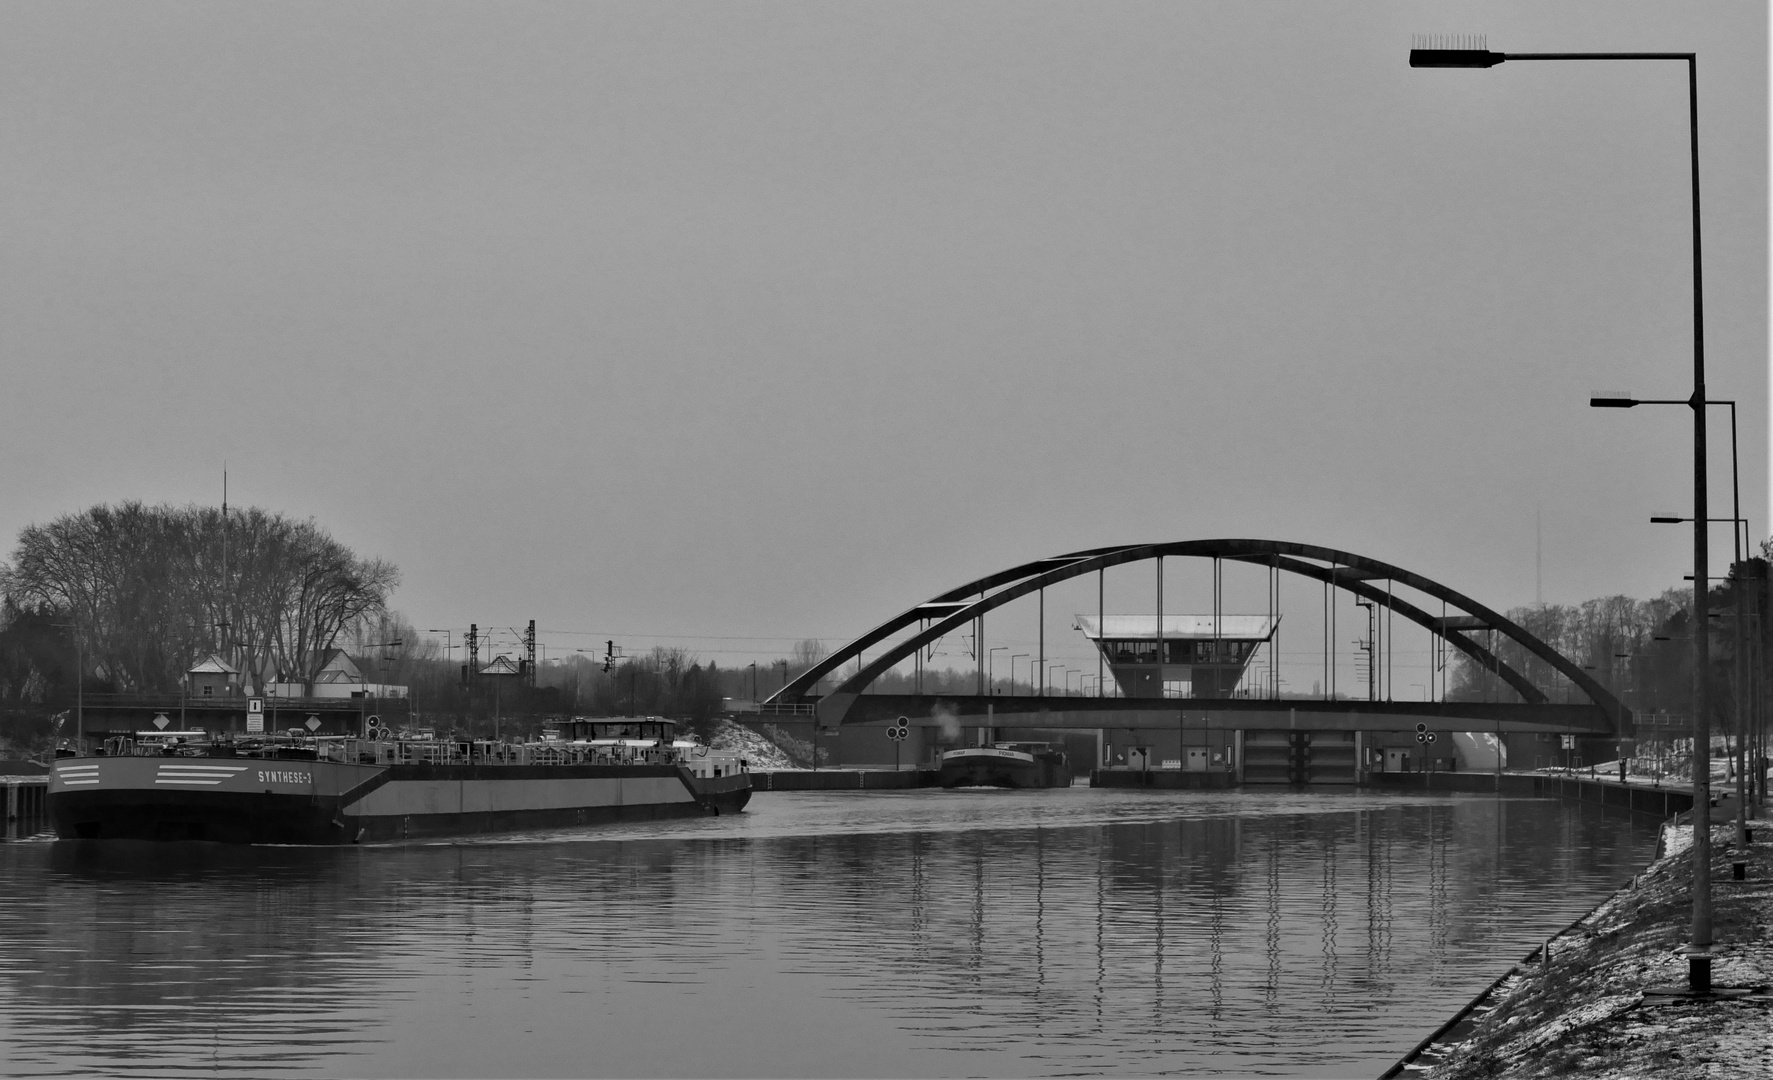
(898, 733)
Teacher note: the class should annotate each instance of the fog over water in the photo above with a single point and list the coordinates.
(853, 934)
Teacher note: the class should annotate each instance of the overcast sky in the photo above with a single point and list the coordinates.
(741, 322)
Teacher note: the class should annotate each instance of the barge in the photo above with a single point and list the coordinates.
(309, 790)
(1007, 764)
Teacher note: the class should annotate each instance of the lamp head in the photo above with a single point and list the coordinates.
(1454, 58)
(1452, 51)
(1611, 399)
(1665, 519)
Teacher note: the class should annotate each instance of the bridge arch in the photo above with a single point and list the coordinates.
(1351, 572)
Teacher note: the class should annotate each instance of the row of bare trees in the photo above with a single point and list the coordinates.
(1641, 650)
(149, 590)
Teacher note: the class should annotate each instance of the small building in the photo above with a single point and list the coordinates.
(213, 678)
(339, 677)
(1186, 656)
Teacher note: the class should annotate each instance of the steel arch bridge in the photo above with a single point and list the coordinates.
(1353, 573)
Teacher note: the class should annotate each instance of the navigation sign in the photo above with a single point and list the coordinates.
(1569, 741)
(313, 723)
(1423, 735)
(255, 715)
(160, 721)
(255, 705)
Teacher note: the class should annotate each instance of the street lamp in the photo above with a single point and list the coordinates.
(1465, 56)
(991, 667)
(1614, 400)
(1013, 658)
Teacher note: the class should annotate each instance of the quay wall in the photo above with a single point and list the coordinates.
(843, 779)
(1664, 802)
(1162, 779)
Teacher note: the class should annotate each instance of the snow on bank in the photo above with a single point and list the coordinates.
(1586, 1012)
(758, 752)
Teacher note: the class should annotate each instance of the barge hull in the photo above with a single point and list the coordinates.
(236, 801)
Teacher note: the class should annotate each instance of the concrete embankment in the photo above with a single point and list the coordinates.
(1584, 1004)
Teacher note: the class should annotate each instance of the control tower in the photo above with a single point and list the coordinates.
(1187, 656)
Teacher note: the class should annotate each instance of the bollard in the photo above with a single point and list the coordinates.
(1699, 972)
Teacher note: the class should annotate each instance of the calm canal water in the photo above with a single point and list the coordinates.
(843, 934)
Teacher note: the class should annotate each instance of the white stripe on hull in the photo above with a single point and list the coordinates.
(399, 798)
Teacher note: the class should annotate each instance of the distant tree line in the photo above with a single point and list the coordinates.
(1641, 650)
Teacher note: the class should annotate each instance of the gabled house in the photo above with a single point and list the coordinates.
(212, 678)
(339, 677)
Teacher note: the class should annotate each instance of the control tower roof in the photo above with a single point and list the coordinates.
(1177, 627)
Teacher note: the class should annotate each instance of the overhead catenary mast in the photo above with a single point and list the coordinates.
(222, 626)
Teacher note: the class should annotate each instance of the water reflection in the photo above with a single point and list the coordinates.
(853, 934)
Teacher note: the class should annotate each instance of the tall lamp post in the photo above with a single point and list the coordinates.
(80, 688)
(991, 667)
(1699, 955)
(1738, 542)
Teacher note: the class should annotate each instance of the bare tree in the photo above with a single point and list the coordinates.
(150, 589)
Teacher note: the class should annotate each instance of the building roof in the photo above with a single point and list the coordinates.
(338, 668)
(1178, 627)
(501, 665)
(214, 665)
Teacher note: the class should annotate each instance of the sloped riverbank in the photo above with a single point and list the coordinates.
(1586, 1013)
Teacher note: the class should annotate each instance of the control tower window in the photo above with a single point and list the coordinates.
(1133, 652)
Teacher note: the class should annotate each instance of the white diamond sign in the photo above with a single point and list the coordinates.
(313, 723)
(160, 721)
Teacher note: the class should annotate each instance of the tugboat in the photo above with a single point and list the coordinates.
(1006, 764)
(303, 789)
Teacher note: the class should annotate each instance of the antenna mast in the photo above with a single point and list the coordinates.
(222, 626)
(1538, 561)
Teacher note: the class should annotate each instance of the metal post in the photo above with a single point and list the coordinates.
(1160, 626)
(979, 648)
(1699, 968)
(1218, 660)
(79, 693)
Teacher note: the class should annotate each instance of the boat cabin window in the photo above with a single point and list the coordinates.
(579, 729)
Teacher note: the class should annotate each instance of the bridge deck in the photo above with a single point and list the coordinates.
(924, 710)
